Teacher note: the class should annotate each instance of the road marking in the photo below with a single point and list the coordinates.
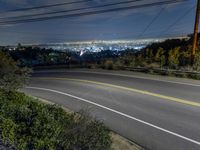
(132, 76)
(146, 78)
(118, 112)
(178, 100)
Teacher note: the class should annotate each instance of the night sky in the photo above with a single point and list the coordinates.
(127, 24)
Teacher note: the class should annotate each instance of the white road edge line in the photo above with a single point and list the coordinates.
(117, 112)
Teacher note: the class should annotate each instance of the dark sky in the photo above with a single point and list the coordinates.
(127, 24)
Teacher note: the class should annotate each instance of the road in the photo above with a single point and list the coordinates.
(159, 113)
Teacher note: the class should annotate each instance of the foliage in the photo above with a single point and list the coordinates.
(12, 76)
(184, 58)
(108, 64)
(160, 57)
(168, 54)
(7, 128)
(197, 61)
(173, 58)
(33, 56)
(29, 124)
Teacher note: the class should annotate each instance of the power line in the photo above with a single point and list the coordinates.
(152, 21)
(46, 6)
(90, 13)
(33, 33)
(71, 10)
(177, 20)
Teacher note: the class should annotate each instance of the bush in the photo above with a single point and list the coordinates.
(7, 128)
(108, 64)
(197, 61)
(29, 124)
(173, 58)
(12, 77)
(194, 76)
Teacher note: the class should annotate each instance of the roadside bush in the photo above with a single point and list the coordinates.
(29, 124)
(7, 129)
(194, 76)
(160, 57)
(108, 64)
(173, 58)
(12, 76)
(197, 61)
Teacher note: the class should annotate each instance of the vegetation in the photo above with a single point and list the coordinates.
(172, 54)
(159, 58)
(29, 124)
(33, 56)
(12, 76)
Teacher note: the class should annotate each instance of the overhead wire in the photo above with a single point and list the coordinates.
(151, 22)
(45, 6)
(71, 10)
(90, 12)
(177, 20)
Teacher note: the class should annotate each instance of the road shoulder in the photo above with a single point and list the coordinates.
(118, 142)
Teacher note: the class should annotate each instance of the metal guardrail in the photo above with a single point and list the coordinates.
(137, 69)
(61, 66)
(158, 70)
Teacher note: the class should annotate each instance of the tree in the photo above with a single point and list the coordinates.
(173, 58)
(160, 57)
(128, 57)
(197, 61)
(184, 59)
(19, 46)
(148, 55)
(12, 76)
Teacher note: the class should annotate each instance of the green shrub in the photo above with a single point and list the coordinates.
(173, 58)
(197, 61)
(194, 76)
(12, 76)
(7, 129)
(29, 124)
(87, 134)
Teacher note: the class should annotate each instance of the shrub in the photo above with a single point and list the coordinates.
(12, 77)
(29, 124)
(160, 57)
(194, 76)
(173, 58)
(108, 64)
(7, 128)
(197, 61)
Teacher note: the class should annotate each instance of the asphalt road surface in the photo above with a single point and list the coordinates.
(159, 113)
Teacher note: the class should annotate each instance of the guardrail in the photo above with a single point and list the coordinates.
(162, 71)
(179, 73)
(60, 66)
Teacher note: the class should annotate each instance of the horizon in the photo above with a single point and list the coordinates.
(114, 41)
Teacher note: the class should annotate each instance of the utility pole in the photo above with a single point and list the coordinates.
(196, 29)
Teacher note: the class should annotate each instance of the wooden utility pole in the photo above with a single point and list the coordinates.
(196, 29)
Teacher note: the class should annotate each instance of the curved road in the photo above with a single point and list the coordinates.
(156, 112)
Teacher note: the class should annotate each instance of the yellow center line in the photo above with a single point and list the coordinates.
(183, 101)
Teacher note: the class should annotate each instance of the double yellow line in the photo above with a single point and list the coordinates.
(169, 98)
